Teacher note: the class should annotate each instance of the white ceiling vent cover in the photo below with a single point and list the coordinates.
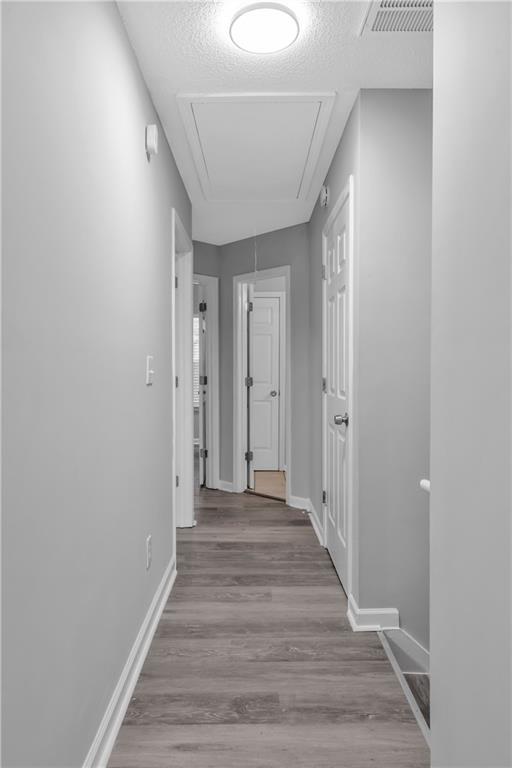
(399, 16)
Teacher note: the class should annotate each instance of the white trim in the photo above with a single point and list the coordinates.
(299, 502)
(407, 691)
(225, 486)
(315, 522)
(352, 468)
(182, 407)
(210, 294)
(103, 743)
(411, 648)
(371, 619)
(241, 285)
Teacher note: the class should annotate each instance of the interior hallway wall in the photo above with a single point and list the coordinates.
(471, 387)
(283, 247)
(387, 146)
(395, 245)
(206, 259)
(86, 445)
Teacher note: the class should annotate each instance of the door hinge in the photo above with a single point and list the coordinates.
(203, 381)
(176, 281)
(249, 455)
(177, 481)
(250, 306)
(324, 497)
(324, 384)
(324, 272)
(203, 453)
(177, 382)
(249, 381)
(202, 306)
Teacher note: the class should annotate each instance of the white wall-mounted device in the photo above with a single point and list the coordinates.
(150, 372)
(151, 140)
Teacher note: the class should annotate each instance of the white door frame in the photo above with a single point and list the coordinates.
(347, 194)
(281, 295)
(209, 291)
(182, 310)
(240, 290)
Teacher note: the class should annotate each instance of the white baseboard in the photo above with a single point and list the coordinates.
(417, 658)
(298, 502)
(371, 619)
(407, 691)
(317, 526)
(223, 485)
(103, 743)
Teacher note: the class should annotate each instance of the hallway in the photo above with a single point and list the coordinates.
(254, 662)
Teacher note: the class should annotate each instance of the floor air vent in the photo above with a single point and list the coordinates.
(399, 16)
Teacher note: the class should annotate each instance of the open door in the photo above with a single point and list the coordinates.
(337, 385)
(266, 387)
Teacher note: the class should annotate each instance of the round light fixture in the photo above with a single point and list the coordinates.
(264, 28)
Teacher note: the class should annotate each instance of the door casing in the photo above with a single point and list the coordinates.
(241, 285)
(182, 409)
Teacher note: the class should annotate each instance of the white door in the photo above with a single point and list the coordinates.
(203, 390)
(264, 393)
(337, 395)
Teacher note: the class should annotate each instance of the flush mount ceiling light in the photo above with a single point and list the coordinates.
(264, 28)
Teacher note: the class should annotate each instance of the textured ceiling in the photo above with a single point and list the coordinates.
(184, 47)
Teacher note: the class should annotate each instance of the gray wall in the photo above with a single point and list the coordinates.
(387, 146)
(86, 445)
(284, 247)
(471, 387)
(206, 259)
(394, 353)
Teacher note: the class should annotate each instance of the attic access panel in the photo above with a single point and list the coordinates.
(253, 147)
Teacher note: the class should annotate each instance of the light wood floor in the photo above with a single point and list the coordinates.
(254, 664)
(270, 483)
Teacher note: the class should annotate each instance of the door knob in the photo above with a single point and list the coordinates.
(339, 419)
(273, 393)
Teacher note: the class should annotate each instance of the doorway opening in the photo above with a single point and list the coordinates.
(261, 457)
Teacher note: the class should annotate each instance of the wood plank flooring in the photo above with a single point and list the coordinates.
(254, 664)
(420, 689)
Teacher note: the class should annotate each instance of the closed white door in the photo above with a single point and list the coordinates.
(265, 390)
(337, 395)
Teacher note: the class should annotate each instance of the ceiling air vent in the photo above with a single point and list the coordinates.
(399, 16)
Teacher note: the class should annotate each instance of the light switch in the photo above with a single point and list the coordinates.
(149, 370)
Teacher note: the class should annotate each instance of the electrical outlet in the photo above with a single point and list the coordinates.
(149, 552)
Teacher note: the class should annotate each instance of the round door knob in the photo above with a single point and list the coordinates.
(339, 419)
(273, 393)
